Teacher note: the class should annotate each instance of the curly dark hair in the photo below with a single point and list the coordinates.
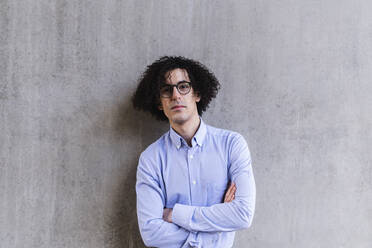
(147, 98)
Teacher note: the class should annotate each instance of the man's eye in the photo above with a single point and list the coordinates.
(165, 89)
(183, 86)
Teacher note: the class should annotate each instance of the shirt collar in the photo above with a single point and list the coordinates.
(198, 137)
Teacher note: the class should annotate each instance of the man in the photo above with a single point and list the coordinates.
(184, 198)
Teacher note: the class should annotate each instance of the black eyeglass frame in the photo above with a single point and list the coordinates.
(171, 87)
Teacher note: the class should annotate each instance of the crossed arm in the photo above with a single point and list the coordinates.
(229, 196)
(161, 227)
(161, 232)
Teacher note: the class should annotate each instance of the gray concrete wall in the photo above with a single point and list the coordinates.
(296, 82)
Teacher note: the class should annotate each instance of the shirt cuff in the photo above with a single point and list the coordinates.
(181, 215)
(192, 241)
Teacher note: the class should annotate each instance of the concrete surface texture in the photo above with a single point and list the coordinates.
(296, 82)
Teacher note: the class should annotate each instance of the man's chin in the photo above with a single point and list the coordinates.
(179, 120)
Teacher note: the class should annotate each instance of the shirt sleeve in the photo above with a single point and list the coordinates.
(231, 216)
(150, 204)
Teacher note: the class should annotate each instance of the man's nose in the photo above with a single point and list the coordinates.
(175, 93)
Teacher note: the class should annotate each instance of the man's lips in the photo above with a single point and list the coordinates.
(178, 107)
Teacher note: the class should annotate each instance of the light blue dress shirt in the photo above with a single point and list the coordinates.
(192, 181)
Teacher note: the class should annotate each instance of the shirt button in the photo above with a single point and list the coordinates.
(194, 182)
(191, 156)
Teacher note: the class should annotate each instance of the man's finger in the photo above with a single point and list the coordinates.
(232, 194)
(229, 196)
(229, 189)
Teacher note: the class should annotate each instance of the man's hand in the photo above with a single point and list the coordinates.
(230, 193)
(167, 214)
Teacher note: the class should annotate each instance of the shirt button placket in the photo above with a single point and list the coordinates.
(192, 173)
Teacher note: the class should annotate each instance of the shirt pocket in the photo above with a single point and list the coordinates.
(215, 193)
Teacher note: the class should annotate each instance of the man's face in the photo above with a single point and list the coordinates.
(179, 108)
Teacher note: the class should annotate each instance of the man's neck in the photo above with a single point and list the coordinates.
(188, 129)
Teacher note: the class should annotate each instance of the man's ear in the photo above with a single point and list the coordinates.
(160, 107)
(197, 97)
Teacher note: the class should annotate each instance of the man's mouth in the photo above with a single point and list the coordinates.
(178, 107)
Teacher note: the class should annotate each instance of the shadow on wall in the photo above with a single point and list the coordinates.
(139, 129)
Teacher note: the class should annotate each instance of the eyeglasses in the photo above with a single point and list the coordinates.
(183, 88)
